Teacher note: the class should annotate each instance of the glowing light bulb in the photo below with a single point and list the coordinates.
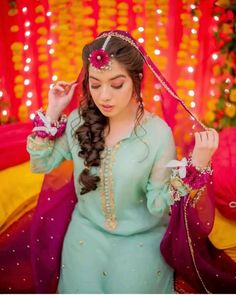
(193, 31)
(140, 40)
(49, 42)
(192, 104)
(26, 47)
(212, 93)
(27, 24)
(24, 9)
(28, 103)
(215, 56)
(54, 78)
(157, 51)
(159, 11)
(27, 33)
(26, 82)
(51, 50)
(4, 112)
(156, 98)
(192, 6)
(190, 69)
(216, 18)
(49, 13)
(1, 93)
(191, 93)
(29, 94)
(157, 38)
(51, 86)
(28, 60)
(195, 19)
(32, 116)
(227, 81)
(140, 29)
(26, 68)
(192, 56)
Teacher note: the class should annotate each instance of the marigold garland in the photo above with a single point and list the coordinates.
(222, 111)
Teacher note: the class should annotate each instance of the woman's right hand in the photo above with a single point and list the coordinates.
(59, 97)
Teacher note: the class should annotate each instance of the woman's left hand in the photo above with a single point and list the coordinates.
(206, 143)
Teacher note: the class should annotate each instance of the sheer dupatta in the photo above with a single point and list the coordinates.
(185, 245)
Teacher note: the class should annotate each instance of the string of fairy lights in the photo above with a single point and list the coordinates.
(62, 28)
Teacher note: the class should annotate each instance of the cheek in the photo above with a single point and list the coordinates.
(94, 95)
(126, 93)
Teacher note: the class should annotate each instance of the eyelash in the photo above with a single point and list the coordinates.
(115, 87)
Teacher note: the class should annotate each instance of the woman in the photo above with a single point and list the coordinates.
(120, 154)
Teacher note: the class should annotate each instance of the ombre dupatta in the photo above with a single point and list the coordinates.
(185, 245)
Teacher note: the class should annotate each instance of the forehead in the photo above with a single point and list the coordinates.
(116, 69)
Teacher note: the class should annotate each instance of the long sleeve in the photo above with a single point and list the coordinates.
(49, 154)
(158, 193)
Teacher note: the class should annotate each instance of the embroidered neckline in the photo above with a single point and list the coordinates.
(106, 183)
(106, 188)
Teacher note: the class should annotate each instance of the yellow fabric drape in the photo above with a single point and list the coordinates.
(223, 235)
(19, 190)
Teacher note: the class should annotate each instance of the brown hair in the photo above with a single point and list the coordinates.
(91, 133)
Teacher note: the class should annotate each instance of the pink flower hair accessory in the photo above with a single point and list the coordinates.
(100, 59)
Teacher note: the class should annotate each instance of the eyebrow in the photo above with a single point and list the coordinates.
(113, 78)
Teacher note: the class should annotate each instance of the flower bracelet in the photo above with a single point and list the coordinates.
(45, 128)
(189, 178)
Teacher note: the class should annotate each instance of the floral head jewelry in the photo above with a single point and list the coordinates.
(100, 59)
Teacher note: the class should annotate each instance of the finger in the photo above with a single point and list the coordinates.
(197, 138)
(65, 85)
(211, 139)
(215, 135)
(72, 86)
(204, 138)
(62, 83)
(73, 82)
(216, 138)
(72, 89)
(58, 88)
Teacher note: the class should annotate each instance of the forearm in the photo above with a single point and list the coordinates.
(40, 150)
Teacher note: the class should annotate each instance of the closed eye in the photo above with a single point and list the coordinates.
(118, 86)
(95, 86)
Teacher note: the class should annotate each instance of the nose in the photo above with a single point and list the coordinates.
(105, 94)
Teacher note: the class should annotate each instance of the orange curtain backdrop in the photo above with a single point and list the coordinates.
(44, 38)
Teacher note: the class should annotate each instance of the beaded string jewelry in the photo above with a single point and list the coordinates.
(100, 59)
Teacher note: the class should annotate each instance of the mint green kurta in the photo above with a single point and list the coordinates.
(127, 259)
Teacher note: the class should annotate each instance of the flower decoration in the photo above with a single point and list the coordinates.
(224, 109)
(100, 59)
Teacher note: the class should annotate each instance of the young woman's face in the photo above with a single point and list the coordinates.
(111, 90)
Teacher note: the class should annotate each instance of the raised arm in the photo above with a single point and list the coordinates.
(48, 144)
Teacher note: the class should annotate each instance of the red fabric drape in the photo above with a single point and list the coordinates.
(13, 144)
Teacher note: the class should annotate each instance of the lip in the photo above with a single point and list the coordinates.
(107, 107)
